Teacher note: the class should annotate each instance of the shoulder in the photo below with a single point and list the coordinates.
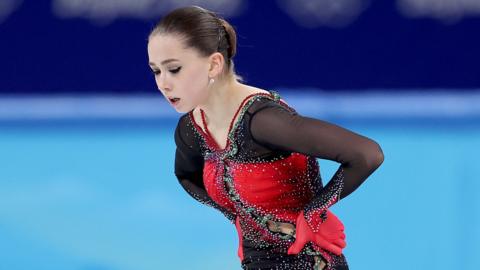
(184, 118)
(184, 131)
(272, 102)
(181, 123)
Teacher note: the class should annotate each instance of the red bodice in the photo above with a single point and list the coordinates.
(281, 187)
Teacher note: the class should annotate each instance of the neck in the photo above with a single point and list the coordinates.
(222, 102)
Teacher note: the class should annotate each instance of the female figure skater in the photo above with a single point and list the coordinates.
(246, 152)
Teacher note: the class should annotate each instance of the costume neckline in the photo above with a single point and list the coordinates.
(207, 135)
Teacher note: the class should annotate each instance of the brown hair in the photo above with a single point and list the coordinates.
(203, 30)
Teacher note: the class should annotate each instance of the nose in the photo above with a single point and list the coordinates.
(162, 84)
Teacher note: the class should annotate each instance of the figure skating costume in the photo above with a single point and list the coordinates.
(268, 172)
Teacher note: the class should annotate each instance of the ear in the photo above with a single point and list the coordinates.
(216, 61)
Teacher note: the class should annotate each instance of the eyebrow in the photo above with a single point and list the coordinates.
(164, 62)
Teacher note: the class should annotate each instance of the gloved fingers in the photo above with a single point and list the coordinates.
(334, 244)
(335, 235)
(334, 249)
(327, 246)
(327, 235)
(321, 241)
(240, 252)
(334, 221)
(296, 247)
(237, 225)
(334, 225)
(340, 243)
(240, 239)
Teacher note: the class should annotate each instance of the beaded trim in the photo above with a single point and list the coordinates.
(231, 136)
(232, 151)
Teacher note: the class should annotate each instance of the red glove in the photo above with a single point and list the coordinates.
(330, 235)
(240, 239)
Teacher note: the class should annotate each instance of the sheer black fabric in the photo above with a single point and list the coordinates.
(282, 129)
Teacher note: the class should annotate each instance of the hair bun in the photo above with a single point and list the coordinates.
(231, 37)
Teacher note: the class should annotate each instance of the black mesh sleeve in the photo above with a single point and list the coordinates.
(279, 127)
(189, 169)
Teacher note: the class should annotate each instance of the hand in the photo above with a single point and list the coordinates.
(330, 235)
(240, 239)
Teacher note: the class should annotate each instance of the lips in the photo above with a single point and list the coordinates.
(173, 100)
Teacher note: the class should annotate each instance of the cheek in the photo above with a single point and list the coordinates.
(195, 83)
(156, 78)
(198, 73)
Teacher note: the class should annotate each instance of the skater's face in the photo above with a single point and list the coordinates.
(180, 72)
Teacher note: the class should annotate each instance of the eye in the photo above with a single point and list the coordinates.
(155, 71)
(175, 70)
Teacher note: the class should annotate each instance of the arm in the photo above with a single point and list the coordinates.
(189, 172)
(280, 128)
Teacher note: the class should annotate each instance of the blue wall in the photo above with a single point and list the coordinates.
(380, 47)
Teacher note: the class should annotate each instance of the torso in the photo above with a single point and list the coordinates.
(262, 182)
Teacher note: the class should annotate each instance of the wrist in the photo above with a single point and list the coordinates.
(314, 218)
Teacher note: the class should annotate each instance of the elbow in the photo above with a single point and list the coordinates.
(374, 156)
(369, 156)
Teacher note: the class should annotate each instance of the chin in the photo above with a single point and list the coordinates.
(183, 110)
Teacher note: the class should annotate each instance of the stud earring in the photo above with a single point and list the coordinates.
(211, 81)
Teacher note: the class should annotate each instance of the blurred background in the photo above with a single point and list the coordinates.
(87, 149)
